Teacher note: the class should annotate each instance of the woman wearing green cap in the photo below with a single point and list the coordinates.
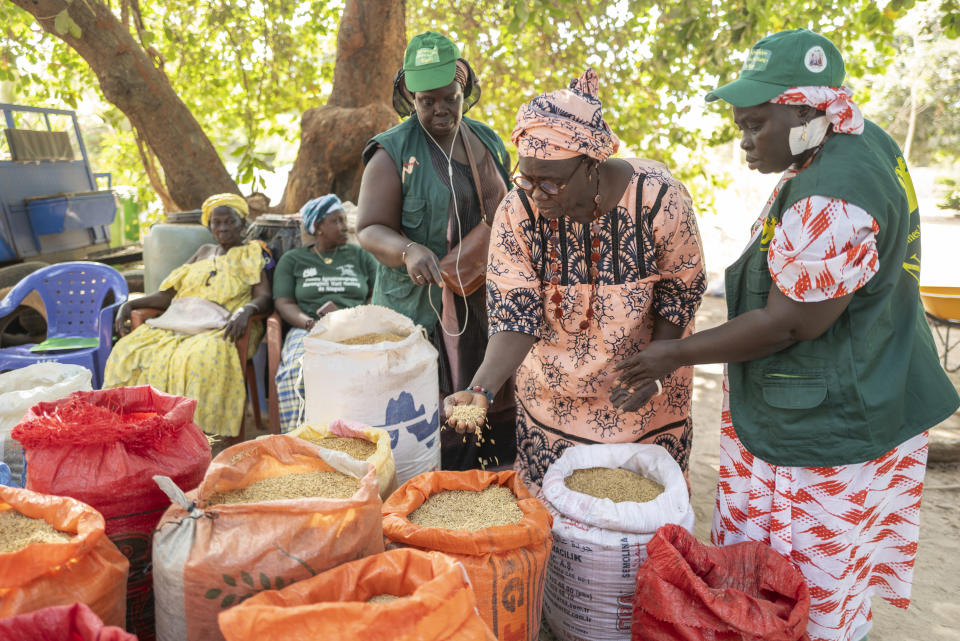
(427, 184)
(832, 376)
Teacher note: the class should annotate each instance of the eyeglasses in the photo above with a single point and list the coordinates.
(548, 187)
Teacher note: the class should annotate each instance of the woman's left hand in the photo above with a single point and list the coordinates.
(236, 327)
(635, 384)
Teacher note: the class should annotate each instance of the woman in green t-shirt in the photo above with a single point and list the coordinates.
(312, 281)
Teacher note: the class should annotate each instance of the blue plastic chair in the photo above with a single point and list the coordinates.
(72, 294)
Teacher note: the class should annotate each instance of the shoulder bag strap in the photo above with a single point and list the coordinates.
(476, 175)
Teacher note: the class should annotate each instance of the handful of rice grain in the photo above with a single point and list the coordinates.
(617, 484)
(331, 485)
(468, 510)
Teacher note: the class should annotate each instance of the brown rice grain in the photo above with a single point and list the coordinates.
(17, 531)
(331, 485)
(617, 484)
(370, 339)
(359, 448)
(468, 510)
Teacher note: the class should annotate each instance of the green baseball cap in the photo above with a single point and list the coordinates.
(796, 58)
(430, 62)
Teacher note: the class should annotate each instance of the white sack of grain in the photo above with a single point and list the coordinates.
(23, 388)
(390, 385)
(598, 544)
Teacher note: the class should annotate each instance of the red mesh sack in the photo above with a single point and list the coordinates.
(103, 448)
(75, 622)
(688, 591)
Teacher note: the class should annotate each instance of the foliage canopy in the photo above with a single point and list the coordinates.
(247, 69)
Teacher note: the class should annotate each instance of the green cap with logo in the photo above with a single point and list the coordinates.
(796, 58)
(430, 62)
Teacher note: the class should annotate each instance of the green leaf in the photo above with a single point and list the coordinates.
(229, 580)
(75, 29)
(246, 578)
(228, 600)
(212, 593)
(61, 22)
(264, 581)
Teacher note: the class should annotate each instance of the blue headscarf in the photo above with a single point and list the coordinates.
(313, 211)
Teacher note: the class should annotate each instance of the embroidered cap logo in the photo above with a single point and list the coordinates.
(815, 59)
(427, 56)
(756, 60)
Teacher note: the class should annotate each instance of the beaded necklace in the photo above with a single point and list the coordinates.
(554, 253)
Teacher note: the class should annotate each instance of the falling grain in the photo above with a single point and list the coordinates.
(331, 485)
(359, 448)
(468, 510)
(617, 484)
(371, 339)
(18, 531)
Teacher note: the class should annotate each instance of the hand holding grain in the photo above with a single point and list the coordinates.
(466, 411)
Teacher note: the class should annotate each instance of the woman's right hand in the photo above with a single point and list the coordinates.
(422, 265)
(120, 322)
(466, 397)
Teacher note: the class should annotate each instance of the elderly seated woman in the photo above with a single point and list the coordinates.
(310, 282)
(190, 350)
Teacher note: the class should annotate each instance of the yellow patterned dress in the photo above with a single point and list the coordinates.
(203, 366)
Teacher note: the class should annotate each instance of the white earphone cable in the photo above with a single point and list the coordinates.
(456, 213)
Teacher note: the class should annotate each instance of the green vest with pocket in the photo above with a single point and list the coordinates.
(425, 213)
(873, 379)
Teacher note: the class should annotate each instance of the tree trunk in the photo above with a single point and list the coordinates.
(370, 45)
(131, 82)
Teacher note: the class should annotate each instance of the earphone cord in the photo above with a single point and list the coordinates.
(456, 213)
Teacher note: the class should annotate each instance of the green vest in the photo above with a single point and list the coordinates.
(873, 379)
(425, 214)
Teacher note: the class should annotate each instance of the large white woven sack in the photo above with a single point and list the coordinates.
(21, 389)
(598, 544)
(390, 385)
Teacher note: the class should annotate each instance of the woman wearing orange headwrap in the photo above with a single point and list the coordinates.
(592, 257)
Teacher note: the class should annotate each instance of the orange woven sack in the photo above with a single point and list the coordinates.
(87, 569)
(437, 604)
(506, 564)
(206, 559)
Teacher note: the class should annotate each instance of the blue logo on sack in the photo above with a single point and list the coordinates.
(402, 410)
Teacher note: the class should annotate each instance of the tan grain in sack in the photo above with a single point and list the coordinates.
(211, 557)
(382, 458)
(506, 562)
(67, 560)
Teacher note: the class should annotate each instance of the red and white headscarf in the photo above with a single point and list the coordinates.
(842, 113)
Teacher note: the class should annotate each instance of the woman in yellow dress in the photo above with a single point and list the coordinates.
(190, 350)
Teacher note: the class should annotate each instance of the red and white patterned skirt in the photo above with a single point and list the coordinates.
(851, 529)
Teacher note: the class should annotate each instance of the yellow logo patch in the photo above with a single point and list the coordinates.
(903, 176)
(766, 234)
